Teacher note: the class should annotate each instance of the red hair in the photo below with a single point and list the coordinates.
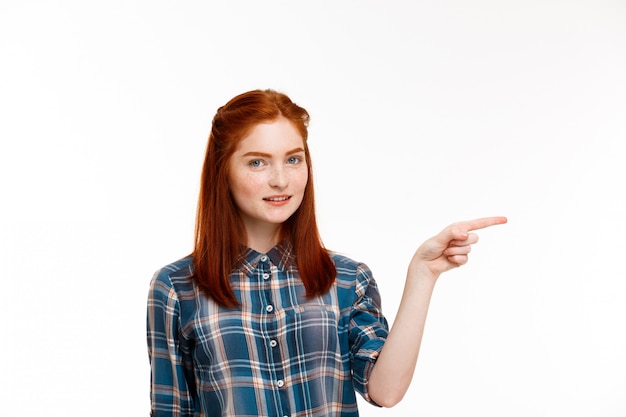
(219, 231)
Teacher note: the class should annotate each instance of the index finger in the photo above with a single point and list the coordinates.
(481, 223)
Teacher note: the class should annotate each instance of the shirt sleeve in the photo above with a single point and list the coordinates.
(368, 330)
(172, 388)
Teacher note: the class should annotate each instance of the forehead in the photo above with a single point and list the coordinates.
(276, 134)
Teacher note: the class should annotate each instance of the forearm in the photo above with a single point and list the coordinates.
(394, 368)
(393, 371)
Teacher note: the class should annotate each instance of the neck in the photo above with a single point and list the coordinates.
(262, 240)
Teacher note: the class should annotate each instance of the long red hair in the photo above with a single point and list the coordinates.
(219, 231)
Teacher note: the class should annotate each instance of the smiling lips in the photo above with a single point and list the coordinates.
(279, 199)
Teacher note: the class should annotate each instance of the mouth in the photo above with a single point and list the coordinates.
(277, 199)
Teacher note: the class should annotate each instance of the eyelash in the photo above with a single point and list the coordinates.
(255, 164)
(291, 160)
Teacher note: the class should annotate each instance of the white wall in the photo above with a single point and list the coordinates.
(423, 113)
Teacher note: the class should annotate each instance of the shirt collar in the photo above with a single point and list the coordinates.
(281, 255)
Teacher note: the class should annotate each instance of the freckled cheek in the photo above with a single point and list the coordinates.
(246, 185)
(253, 182)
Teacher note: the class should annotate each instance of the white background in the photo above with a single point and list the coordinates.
(423, 113)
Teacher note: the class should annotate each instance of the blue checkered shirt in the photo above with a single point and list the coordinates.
(278, 354)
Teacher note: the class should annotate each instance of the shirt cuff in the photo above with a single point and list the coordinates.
(362, 364)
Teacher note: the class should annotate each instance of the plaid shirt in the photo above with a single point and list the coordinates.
(278, 354)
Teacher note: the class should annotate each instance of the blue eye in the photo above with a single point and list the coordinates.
(256, 163)
(294, 160)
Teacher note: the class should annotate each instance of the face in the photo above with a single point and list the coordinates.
(268, 175)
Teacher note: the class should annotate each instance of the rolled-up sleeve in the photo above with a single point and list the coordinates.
(368, 330)
(172, 389)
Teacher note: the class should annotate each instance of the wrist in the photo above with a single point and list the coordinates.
(419, 271)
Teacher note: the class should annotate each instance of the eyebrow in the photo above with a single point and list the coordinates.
(266, 155)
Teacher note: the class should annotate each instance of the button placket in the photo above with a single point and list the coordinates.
(271, 309)
(265, 274)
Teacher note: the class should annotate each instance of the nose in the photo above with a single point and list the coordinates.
(278, 177)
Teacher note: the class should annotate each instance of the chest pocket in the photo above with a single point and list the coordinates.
(312, 329)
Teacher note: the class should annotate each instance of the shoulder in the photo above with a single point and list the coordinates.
(176, 277)
(180, 267)
(350, 271)
(343, 261)
(355, 281)
(347, 264)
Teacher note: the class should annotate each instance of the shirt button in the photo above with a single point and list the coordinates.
(273, 343)
(280, 383)
(269, 308)
(263, 258)
(266, 275)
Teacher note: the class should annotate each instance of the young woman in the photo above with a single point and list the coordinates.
(261, 319)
